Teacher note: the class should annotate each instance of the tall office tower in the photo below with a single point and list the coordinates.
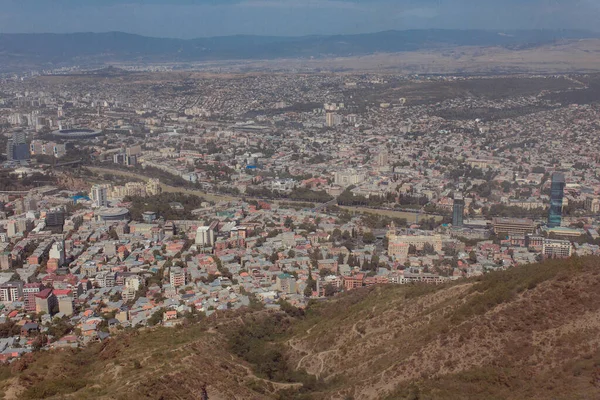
(556, 200)
(458, 210)
(99, 195)
(19, 137)
(17, 148)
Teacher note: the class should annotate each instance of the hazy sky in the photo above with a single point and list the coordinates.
(196, 18)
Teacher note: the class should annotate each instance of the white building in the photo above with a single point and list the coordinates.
(58, 252)
(349, 177)
(557, 248)
(133, 282)
(99, 195)
(11, 291)
(205, 236)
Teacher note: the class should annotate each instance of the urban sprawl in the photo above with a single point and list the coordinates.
(133, 200)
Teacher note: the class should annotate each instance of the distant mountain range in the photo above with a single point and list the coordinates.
(82, 48)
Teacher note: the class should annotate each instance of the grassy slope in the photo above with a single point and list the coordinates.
(160, 364)
(532, 332)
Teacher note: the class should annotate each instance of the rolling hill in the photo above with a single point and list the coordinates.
(92, 48)
(532, 332)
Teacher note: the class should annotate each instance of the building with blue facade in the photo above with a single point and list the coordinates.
(557, 189)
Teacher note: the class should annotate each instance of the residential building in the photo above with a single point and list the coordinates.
(45, 301)
(5, 260)
(153, 187)
(205, 236)
(11, 291)
(353, 281)
(332, 119)
(65, 304)
(592, 204)
(177, 276)
(285, 283)
(106, 279)
(128, 294)
(99, 195)
(348, 177)
(29, 292)
(534, 242)
(55, 217)
(398, 250)
(383, 158)
(137, 189)
(557, 248)
(57, 251)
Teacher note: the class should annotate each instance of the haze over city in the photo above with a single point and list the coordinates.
(299, 200)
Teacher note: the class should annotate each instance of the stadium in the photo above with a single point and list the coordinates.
(77, 133)
(112, 214)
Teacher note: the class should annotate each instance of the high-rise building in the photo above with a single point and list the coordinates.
(285, 283)
(592, 204)
(135, 189)
(332, 119)
(205, 236)
(383, 158)
(177, 277)
(130, 161)
(45, 301)
(55, 217)
(29, 292)
(30, 204)
(458, 210)
(10, 154)
(65, 304)
(134, 150)
(17, 148)
(99, 195)
(556, 200)
(11, 291)
(153, 187)
(57, 252)
(12, 229)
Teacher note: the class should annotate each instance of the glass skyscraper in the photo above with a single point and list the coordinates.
(458, 210)
(556, 200)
